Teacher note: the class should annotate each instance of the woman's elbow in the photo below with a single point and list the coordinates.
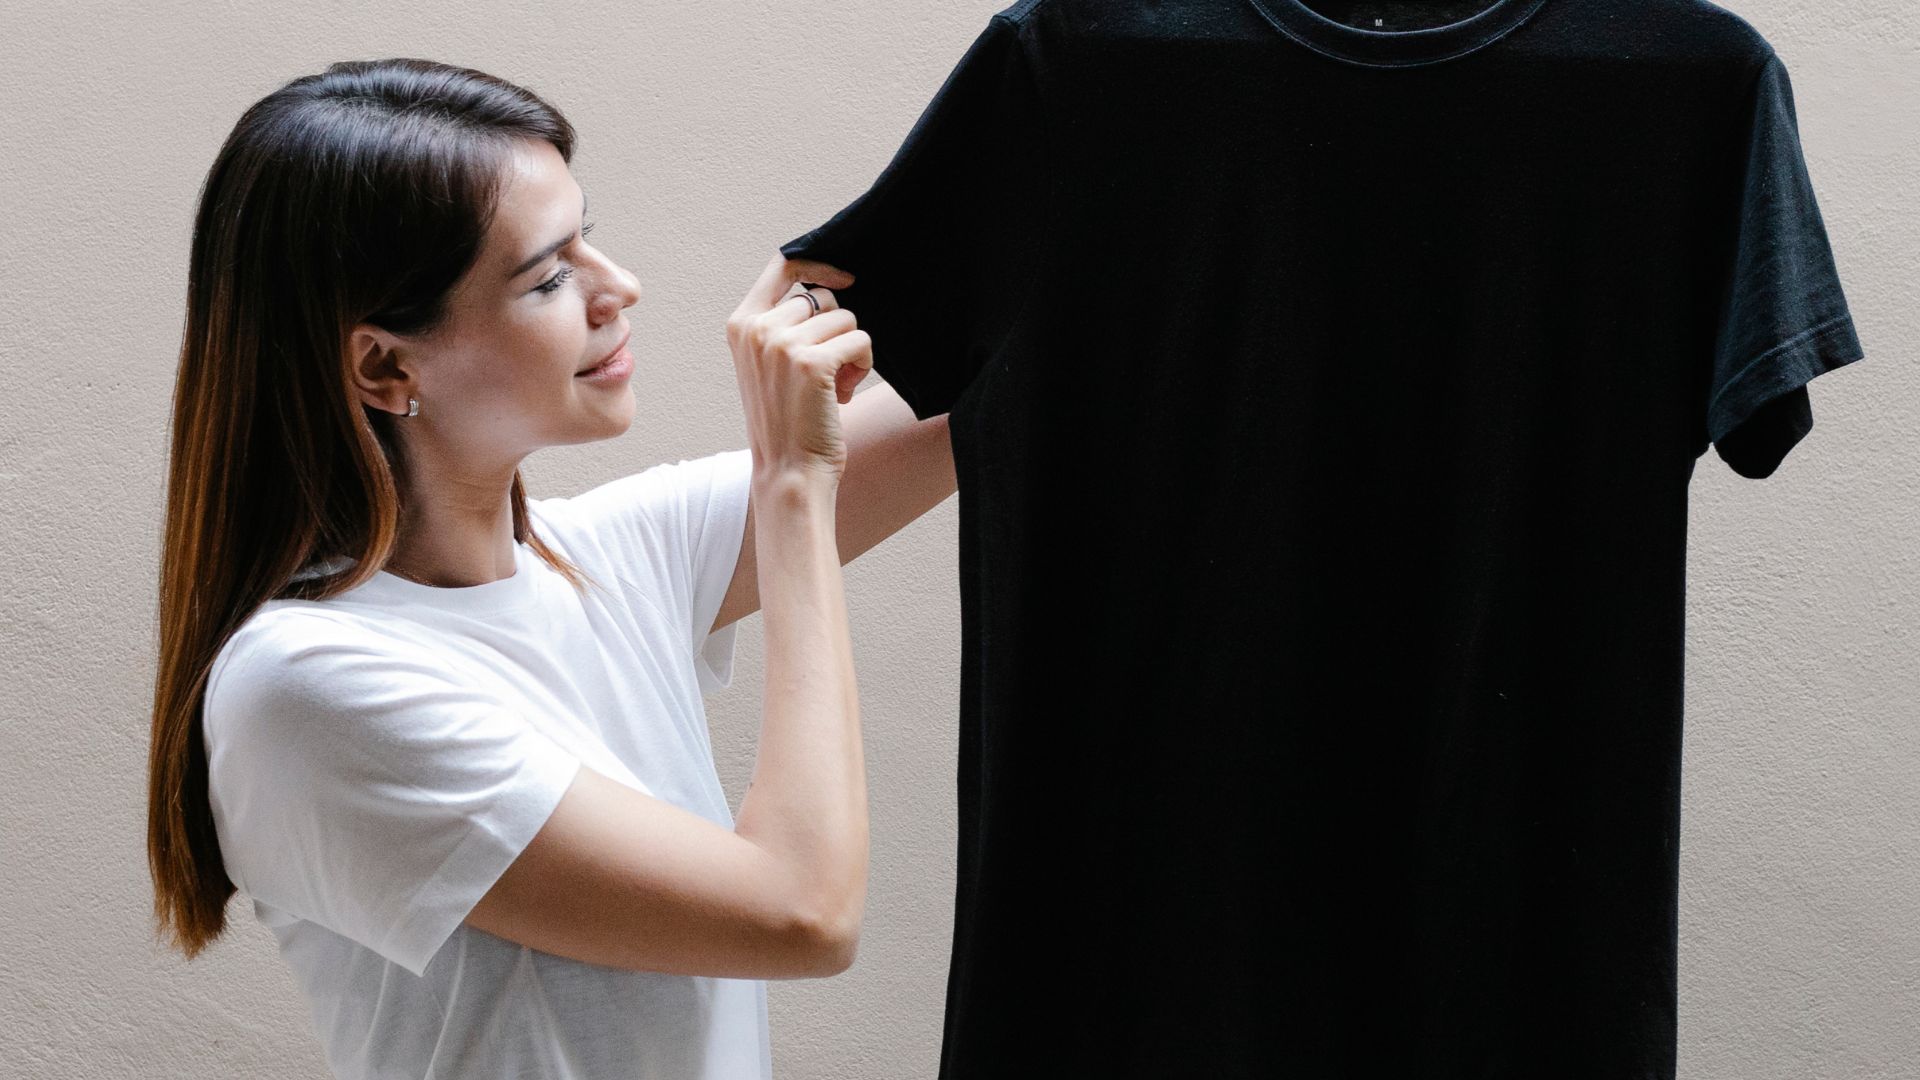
(829, 946)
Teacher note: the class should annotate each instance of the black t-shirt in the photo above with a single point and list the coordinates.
(1324, 396)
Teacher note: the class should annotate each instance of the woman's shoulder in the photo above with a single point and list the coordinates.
(651, 520)
(286, 625)
(287, 648)
(659, 495)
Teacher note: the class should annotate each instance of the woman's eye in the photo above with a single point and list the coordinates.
(564, 272)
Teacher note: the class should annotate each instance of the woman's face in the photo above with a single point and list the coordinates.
(499, 378)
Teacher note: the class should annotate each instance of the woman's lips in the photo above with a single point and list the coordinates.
(619, 366)
(618, 351)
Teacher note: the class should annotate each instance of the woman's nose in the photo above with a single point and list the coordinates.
(622, 291)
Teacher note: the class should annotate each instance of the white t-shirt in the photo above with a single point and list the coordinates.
(376, 761)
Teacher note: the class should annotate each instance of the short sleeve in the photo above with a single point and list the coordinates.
(1784, 319)
(674, 532)
(945, 242)
(357, 786)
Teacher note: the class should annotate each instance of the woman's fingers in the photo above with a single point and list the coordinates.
(834, 327)
(831, 326)
(790, 362)
(778, 278)
(852, 372)
(822, 293)
(829, 323)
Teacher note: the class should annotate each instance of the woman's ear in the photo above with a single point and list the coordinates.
(379, 364)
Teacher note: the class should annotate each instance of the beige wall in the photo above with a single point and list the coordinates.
(712, 132)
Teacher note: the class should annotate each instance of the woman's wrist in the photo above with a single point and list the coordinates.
(794, 487)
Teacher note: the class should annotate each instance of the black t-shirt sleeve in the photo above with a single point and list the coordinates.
(943, 245)
(1784, 319)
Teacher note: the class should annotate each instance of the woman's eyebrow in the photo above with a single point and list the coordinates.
(535, 258)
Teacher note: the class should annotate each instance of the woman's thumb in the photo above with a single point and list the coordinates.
(779, 275)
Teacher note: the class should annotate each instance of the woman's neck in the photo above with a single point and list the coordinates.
(456, 531)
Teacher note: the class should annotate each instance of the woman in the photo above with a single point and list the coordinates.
(448, 737)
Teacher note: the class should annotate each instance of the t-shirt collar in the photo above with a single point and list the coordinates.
(506, 594)
(1395, 48)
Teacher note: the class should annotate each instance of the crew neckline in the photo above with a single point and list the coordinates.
(1395, 48)
(510, 593)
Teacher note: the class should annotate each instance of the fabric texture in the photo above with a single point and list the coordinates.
(378, 759)
(1336, 371)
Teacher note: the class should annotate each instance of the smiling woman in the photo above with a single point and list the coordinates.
(449, 738)
(538, 306)
(539, 303)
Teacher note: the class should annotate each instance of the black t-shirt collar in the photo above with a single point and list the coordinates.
(1395, 48)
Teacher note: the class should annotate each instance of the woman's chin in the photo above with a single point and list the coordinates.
(599, 420)
(619, 414)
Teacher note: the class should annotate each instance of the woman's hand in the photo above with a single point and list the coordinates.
(795, 369)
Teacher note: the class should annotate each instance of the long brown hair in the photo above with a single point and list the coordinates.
(358, 194)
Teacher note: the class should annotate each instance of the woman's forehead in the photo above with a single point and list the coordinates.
(539, 204)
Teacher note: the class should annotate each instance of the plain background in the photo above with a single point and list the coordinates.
(709, 134)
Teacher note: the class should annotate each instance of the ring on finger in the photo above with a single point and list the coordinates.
(810, 298)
